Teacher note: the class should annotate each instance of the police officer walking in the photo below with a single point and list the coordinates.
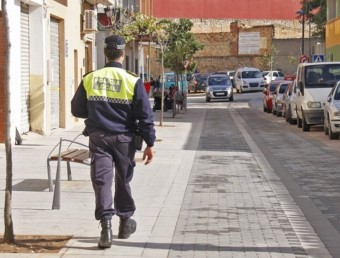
(115, 104)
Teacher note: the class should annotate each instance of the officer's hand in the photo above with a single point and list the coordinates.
(148, 155)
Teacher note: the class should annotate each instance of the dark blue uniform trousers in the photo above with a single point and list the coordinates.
(112, 153)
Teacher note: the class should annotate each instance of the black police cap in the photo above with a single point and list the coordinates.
(115, 42)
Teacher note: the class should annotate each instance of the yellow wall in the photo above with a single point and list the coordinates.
(333, 33)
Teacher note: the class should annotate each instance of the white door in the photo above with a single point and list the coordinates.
(55, 87)
(25, 69)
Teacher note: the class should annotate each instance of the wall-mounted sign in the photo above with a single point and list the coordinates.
(249, 43)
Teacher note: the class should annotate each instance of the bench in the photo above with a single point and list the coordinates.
(73, 152)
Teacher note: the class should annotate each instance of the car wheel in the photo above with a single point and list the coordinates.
(287, 115)
(231, 98)
(331, 135)
(299, 122)
(305, 126)
(269, 110)
(325, 127)
(207, 99)
(274, 112)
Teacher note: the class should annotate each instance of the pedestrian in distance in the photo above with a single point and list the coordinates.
(115, 105)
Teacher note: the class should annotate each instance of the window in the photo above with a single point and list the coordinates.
(331, 9)
(63, 2)
(252, 74)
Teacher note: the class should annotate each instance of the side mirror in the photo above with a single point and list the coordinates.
(329, 98)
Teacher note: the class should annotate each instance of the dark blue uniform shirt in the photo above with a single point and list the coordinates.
(116, 117)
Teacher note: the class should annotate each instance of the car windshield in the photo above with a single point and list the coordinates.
(251, 74)
(201, 77)
(337, 93)
(214, 81)
(283, 88)
(273, 87)
(264, 73)
(323, 76)
(170, 78)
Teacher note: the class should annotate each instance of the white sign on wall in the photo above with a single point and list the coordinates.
(249, 43)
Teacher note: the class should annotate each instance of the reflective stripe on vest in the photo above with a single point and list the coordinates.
(110, 84)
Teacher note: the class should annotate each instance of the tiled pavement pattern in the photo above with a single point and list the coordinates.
(317, 173)
(230, 209)
(215, 192)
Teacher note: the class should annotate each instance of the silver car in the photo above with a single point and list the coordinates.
(219, 87)
(277, 97)
(289, 103)
(332, 113)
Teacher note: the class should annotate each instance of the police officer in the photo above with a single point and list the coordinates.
(115, 104)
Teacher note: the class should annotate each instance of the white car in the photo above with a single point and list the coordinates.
(289, 103)
(332, 113)
(248, 79)
(272, 76)
(231, 74)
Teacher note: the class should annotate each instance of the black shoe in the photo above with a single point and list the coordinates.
(106, 234)
(126, 228)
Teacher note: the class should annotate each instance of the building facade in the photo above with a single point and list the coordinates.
(53, 43)
(49, 53)
(333, 31)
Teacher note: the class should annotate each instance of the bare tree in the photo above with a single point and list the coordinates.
(9, 232)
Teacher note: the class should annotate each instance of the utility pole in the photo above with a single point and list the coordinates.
(303, 29)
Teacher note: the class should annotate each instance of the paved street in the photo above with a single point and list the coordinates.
(228, 180)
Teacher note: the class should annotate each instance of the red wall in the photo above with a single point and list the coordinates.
(227, 9)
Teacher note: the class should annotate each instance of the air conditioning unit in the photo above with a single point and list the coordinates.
(90, 21)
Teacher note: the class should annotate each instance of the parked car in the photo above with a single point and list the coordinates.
(314, 83)
(290, 77)
(231, 74)
(277, 97)
(202, 81)
(219, 87)
(289, 103)
(272, 76)
(170, 80)
(332, 113)
(192, 82)
(268, 96)
(248, 79)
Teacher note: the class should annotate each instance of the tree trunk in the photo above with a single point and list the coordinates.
(9, 232)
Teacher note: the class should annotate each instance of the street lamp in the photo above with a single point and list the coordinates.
(302, 13)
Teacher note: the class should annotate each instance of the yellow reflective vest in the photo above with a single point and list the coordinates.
(111, 84)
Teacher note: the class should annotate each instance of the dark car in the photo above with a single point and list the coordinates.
(202, 81)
